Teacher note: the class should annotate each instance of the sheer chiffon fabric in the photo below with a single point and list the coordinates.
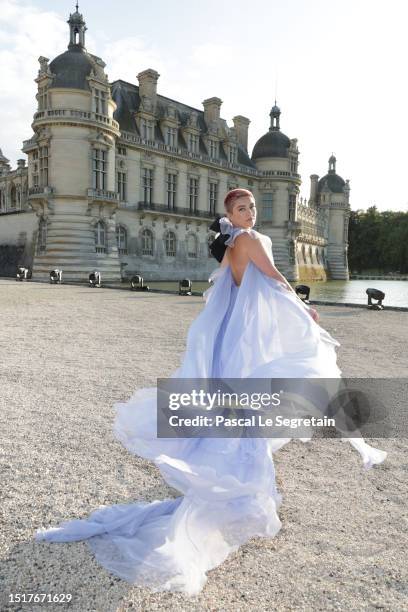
(227, 486)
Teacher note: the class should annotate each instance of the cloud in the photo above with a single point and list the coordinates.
(127, 57)
(24, 30)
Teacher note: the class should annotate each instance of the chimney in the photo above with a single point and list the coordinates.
(148, 84)
(241, 127)
(212, 110)
(313, 187)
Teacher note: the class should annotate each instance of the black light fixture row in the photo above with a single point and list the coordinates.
(95, 279)
(185, 287)
(23, 274)
(56, 277)
(375, 294)
(137, 284)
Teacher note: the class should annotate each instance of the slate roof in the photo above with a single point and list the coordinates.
(73, 66)
(272, 144)
(333, 181)
(127, 99)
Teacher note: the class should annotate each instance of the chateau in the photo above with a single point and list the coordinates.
(122, 179)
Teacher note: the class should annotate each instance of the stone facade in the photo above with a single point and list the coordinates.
(124, 180)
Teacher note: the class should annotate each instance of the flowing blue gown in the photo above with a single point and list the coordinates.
(227, 486)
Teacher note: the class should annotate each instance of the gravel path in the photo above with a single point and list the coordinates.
(69, 353)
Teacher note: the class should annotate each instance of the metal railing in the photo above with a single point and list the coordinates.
(176, 210)
(103, 194)
(71, 113)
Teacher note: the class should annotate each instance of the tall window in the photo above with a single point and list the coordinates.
(42, 98)
(170, 244)
(192, 250)
(100, 237)
(100, 102)
(171, 136)
(146, 129)
(213, 195)
(147, 185)
(43, 166)
(213, 148)
(13, 197)
(292, 207)
(147, 242)
(171, 190)
(346, 228)
(99, 165)
(42, 237)
(232, 155)
(267, 203)
(121, 239)
(193, 143)
(122, 185)
(193, 194)
(2, 200)
(35, 169)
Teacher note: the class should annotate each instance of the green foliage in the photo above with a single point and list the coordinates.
(378, 241)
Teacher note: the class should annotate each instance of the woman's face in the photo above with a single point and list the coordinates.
(243, 212)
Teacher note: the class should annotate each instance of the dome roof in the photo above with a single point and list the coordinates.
(272, 144)
(76, 18)
(333, 181)
(72, 67)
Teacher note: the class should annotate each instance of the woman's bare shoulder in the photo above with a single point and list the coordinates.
(248, 236)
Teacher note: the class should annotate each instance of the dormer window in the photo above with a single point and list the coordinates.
(100, 102)
(146, 129)
(232, 155)
(213, 148)
(193, 143)
(171, 136)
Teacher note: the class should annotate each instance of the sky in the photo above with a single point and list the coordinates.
(337, 68)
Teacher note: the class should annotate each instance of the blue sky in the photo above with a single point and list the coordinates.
(339, 68)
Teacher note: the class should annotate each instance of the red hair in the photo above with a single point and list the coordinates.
(233, 195)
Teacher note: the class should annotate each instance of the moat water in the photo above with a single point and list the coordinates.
(396, 292)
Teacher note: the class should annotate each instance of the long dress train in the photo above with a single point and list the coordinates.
(256, 330)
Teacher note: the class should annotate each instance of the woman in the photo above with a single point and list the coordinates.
(253, 326)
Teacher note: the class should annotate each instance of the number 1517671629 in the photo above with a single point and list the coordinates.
(40, 597)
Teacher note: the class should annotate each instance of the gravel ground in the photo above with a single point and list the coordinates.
(344, 539)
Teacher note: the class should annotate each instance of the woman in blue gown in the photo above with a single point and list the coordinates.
(253, 325)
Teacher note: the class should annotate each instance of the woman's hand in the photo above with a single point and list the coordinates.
(314, 314)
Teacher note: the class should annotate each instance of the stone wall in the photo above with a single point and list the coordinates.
(18, 233)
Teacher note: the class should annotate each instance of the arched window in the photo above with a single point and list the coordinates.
(147, 242)
(121, 239)
(13, 197)
(171, 244)
(303, 253)
(192, 250)
(100, 237)
(310, 254)
(42, 237)
(2, 200)
(210, 239)
(318, 257)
